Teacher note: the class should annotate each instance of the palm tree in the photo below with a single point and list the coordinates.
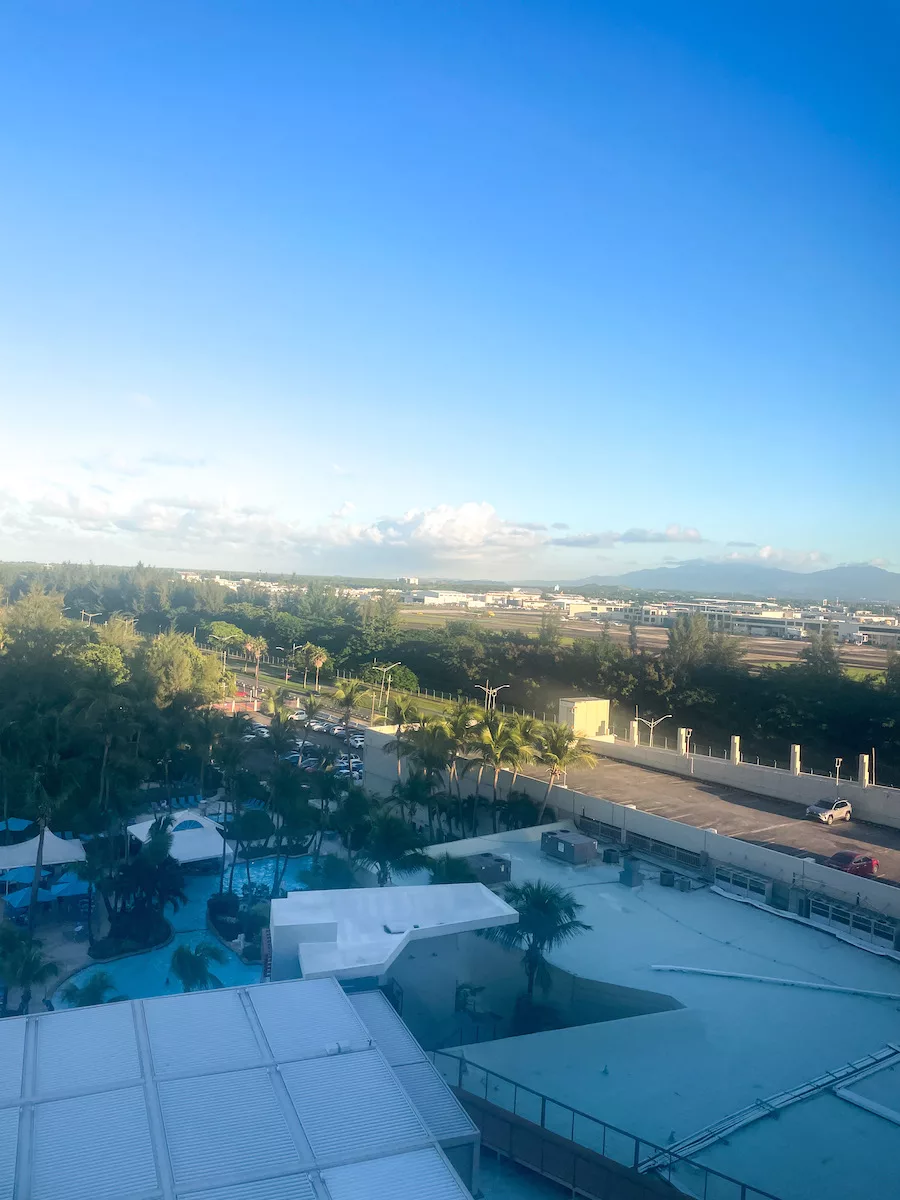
(498, 746)
(312, 707)
(256, 647)
(348, 696)
(560, 750)
(411, 794)
(10, 945)
(329, 873)
(448, 869)
(460, 723)
(529, 730)
(548, 918)
(92, 991)
(392, 847)
(403, 712)
(314, 658)
(30, 970)
(192, 966)
(430, 751)
(231, 751)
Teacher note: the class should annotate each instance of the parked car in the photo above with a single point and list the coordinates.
(329, 728)
(828, 811)
(299, 714)
(357, 741)
(853, 863)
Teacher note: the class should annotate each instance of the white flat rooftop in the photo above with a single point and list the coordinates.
(359, 932)
(737, 1041)
(276, 1092)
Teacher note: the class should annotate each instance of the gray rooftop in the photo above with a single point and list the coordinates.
(283, 1091)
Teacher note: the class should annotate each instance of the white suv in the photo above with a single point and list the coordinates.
(829, 811)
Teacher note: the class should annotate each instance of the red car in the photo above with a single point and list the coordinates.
(853, 863)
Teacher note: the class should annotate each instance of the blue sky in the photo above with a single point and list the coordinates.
(496, 289)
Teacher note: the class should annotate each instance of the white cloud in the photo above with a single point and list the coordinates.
(776, 556)
(634, 536)
(191, 529)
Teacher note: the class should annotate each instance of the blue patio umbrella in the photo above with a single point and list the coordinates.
(69, 877)
(22, 899)
(19, 875)
(74, 887)
(14, 825)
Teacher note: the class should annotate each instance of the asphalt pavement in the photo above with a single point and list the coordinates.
(773, 823)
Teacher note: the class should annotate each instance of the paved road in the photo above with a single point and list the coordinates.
(772, 823)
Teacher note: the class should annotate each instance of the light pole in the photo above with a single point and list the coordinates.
(290, 653)
(651, 723)
(490, 694)
(837, 772)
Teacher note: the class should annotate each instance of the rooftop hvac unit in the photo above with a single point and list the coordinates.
(683, 884)
(667, 878)
(611, 854)
(572, 848)
(489, 869)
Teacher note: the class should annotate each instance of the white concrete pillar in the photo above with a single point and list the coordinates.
(633, 733)
(256, 706)
(682, 742)
(863, 772)
(795, 760)
(735, 750)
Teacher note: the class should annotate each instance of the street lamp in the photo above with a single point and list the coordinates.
(290, 653)
(384, 670)
(837, 771)
(651, 723)
(490, 694)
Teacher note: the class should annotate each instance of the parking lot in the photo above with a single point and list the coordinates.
(772, 823)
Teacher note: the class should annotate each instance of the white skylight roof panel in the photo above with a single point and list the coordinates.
(304, 1022)
(12, 1045)
(413, 1176)
(224, 1128)
(294, 1187)
(352, 1105)
(433, 1100)
(200, 1032)
(93, 1147)
(87, 1047)
(9, 1133)
(391, 1036)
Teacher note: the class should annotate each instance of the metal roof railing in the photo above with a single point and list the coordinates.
(688, 1176)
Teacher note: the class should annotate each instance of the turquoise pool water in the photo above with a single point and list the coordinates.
(140, 976)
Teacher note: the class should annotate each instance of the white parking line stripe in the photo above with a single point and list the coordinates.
(765, 828)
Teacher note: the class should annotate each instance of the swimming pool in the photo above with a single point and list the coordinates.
(139, 976)
(199, 888)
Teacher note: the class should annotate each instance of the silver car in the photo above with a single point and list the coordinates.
(829, 811)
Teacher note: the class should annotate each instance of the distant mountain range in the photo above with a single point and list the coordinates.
(852, 582)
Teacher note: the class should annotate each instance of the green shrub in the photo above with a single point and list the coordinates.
(227, 927)
(223, 904)
(252, 952)
(254, 920)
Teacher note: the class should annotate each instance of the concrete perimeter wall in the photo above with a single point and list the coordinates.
(880, 805)
(381, 775)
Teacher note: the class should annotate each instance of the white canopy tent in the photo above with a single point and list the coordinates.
(194, 838)
(56, 851)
